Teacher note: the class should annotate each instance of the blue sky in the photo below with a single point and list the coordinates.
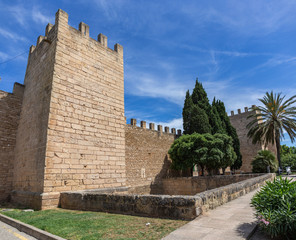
(237, 49)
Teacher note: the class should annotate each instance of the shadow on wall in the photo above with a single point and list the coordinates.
(166, 172)
(10, 108)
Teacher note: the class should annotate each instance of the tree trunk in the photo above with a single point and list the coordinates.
(191, 171)
(202, 170)
(278, 149)
(223, 171)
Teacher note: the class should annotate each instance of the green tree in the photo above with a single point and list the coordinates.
(182, 152)
(263, 159)
(199, 121)
(197, 106)
(215, 121)
(230, 131)
(187, 109)
(288, 156)
(276, 116)
(205, 150)
(229, 155)
(200, 97)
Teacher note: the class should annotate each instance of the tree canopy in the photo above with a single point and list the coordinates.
(199, 116)
(208, 151)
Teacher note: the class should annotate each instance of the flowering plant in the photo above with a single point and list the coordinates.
(275, 206)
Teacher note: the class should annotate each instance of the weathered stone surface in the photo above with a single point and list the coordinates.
(213, 198)
(71, 134)
(248, 150)
(194, 185)
(10, 108)
(163, 206)
(66, 130)
(147, 159)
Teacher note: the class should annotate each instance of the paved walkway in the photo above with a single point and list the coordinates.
(232, 221)
(10, 233)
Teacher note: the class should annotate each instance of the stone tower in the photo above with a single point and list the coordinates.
(248, 150)
(71, 130)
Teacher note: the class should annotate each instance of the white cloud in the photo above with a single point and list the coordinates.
(19, 12)
(39, 17)
(244, 17)
(23, 14)
(176, 123)
(161, 82)
(11, 35)
(3, 56)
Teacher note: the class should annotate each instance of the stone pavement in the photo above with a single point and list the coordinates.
(10, 233)
(232, 221)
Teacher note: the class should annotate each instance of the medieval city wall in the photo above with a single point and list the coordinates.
(86, 129)
(146, 152)
(10, 108)
(32, 131)
(248, 150)
(72, 130)
(66, 130)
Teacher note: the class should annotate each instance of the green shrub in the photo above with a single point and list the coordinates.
(263, 159)
(208, 151)
(275, 206)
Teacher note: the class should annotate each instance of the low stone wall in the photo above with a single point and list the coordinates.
(177, 207)
(213, 198)
(161, 206)
(194, 185)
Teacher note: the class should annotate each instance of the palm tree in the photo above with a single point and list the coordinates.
(271, 120)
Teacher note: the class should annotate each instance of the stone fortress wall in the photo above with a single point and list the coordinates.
(248, 150)
(146, 152)
(10, 108)
(66, 130)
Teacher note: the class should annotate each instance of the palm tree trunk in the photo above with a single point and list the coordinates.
(278, 149)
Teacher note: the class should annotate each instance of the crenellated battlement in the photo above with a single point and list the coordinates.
(166, 130)
(61, 21)
(239, 111)
(70, 117)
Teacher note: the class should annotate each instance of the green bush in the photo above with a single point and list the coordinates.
(205, 150)
(263, 159)
(275, 206)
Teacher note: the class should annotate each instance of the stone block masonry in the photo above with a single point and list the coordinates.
(194, 185)
(10, 108)
(66, 130)
(162, 206)
(72, 130)
(248, 150)
(146, 152)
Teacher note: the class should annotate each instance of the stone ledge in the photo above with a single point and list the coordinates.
(198, 184)
(28, 229)
(160, 206)
(213, 198)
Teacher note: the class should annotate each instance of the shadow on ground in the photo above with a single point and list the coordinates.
(259, 235)
(246, 229)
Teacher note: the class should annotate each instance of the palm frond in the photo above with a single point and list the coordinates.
(271, 120)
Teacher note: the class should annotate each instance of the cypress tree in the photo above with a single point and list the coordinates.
(230, 131)
(215, 121)
(199, 97)
(199, 121)
(187, 109)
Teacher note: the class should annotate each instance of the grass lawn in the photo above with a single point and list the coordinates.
(76, 225)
